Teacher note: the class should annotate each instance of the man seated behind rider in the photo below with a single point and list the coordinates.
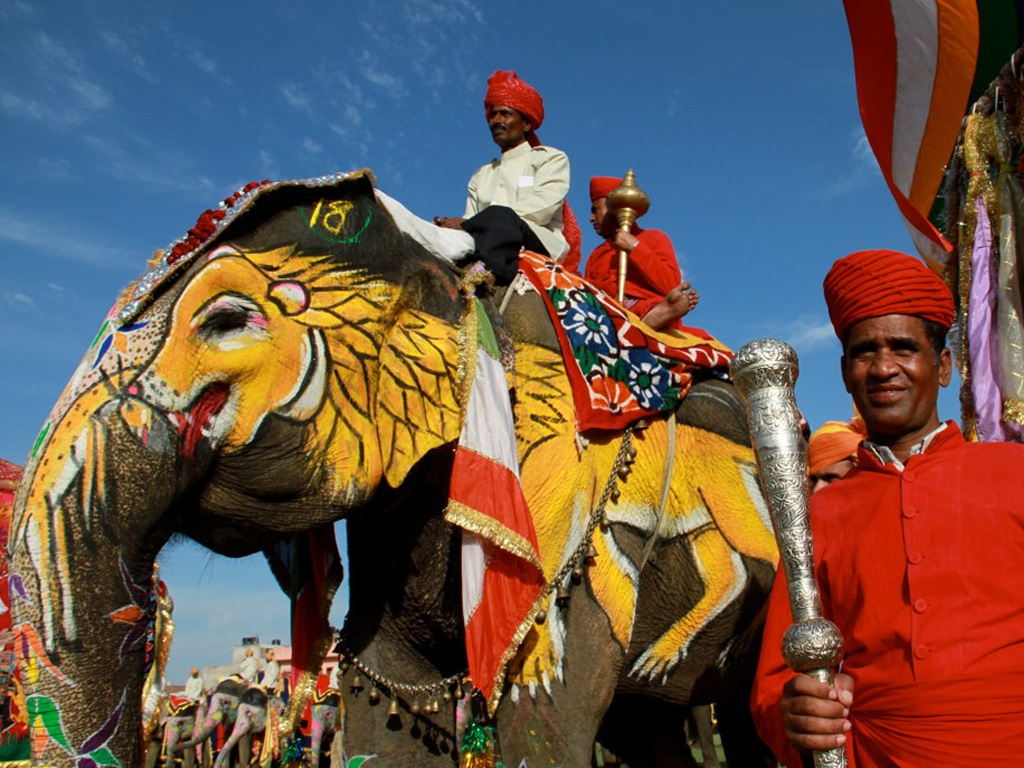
(655, 289)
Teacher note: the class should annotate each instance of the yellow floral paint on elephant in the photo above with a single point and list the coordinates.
(713, 506)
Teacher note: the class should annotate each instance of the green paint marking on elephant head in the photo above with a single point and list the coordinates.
(358, 760)
(40, 439)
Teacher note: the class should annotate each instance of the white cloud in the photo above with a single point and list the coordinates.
(63, 94)
(44, 236)
(204, 63)
(268, 168)
(119, 46)
(17, 300)
(137, 161)
(311, 146)
(863, 167)
(295, 97)
(376, 75)
(807, 333)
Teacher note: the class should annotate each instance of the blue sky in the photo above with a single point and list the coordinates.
(121, 122)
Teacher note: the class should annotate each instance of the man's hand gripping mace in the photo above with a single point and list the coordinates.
(628, 202)
(765, 373)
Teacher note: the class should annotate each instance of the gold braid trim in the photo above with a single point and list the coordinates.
(512, 650)
(271, 735)
(979, 145)
(163, 635)
(1013, 410)
(496, 533)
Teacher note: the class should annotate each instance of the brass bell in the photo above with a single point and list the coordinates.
(357, 684)
(624, 471)
(434, 707)
(374, 696)
(604, 523)
(393, 710)
(591, 552)
(414, 707)
(447, 696)
(562, 594)
(577, 574)
(631, 452)
(541, 616)
(459, 693)
(615, 493)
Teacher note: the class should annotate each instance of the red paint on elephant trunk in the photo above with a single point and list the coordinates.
(204, 410)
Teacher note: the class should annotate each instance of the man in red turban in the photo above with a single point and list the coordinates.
(915, 551)
(655, 289)
(832, 451)
(518, 199)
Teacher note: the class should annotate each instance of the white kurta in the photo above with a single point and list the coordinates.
(248, 669)
(271, 674)
(194, 688)
(533, 182)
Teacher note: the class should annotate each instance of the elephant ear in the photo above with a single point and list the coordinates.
(417, 392)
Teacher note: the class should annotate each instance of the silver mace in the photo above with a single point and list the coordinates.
(765, 373)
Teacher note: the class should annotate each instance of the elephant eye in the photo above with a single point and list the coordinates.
(227, 315)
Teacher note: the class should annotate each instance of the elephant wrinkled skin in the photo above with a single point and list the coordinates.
(303, 366)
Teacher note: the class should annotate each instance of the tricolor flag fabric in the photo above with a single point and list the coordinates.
(919, 65)
(501, 572)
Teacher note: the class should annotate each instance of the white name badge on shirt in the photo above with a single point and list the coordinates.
(525, 181)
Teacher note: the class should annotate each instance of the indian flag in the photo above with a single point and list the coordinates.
(919, 65)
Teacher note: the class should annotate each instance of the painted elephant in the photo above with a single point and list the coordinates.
(251, 721)
(223, 709)
(297, 360)
(323, 723)
(179, 725)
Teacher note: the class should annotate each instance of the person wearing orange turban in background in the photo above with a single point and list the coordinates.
(832, 451)
(518, 199)
(655, 289)
(915, 549)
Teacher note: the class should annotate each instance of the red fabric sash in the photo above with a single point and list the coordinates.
(941, 724)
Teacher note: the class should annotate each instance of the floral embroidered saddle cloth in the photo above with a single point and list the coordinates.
(621, 370)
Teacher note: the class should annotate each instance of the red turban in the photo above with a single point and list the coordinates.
(875, 283)
(506, 89)
(601, 186)
(832, 442)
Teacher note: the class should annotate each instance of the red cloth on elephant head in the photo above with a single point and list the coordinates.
(875, 283)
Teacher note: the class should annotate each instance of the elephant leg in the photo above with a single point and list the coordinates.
(559, 728)
(245, 749)
(644, 732)
(701, 718)
(152, 754)
(722, 571)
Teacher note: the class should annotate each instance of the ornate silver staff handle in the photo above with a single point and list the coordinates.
(765, 373)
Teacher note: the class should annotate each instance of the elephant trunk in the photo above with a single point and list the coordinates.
(242, 727)
(83, 542)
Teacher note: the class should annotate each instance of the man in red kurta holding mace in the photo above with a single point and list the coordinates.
(918, 554)
(655, 289)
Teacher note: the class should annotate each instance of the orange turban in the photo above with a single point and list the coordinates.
(875, 283)
(601, 186)
(506, 89)
(833, 441)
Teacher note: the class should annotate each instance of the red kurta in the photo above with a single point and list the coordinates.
(653, 271)
(922, 571)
